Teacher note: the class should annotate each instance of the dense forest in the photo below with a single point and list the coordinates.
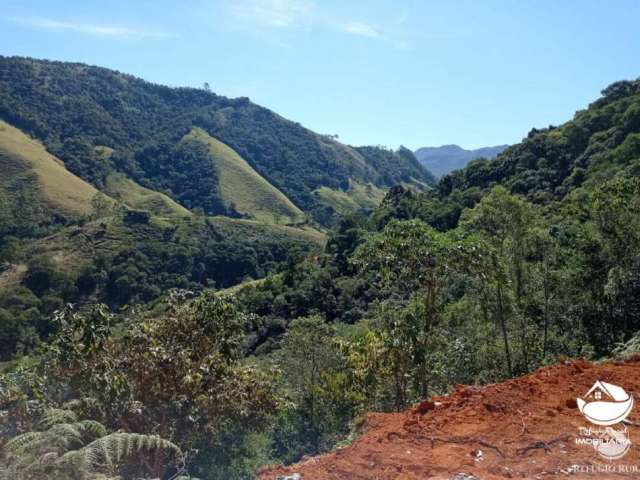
(504, 266)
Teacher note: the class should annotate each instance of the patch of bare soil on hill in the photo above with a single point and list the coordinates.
(527, 427)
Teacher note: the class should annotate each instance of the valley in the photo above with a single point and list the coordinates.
(194, 287)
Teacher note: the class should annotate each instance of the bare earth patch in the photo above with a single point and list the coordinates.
(522, 428)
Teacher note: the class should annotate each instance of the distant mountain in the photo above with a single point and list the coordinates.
(444, 159)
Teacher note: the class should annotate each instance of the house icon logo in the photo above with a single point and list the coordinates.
(605, 404)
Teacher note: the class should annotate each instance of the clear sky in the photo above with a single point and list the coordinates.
(387, 72)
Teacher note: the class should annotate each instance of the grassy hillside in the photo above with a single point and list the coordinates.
(21, 156)
(252, 229)
(135, 196)
(62, 241)
(242, 188)
(74, 108)
(122, 261)
(356, 197)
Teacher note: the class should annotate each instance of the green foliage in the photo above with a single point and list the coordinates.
(177, 374)
(184, 172)
(25, 310)
(80, 107)
(42, 276)
(516, 286)
(110, 452)
(508, 265)
(316, 383)
(22, 213)
(66, 447)
(504, 222)
(550, 163)
(416, 262)
(132, 263)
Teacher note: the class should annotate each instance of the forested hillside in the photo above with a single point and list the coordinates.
(79, 111)
(158, 372)
(508, 265)
(550, 164)
(114, 190)
(63, 241)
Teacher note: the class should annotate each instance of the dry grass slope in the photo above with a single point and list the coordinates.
(251, 228)
(244, 188)
(356, 197)
(138, 197)
(61, 190)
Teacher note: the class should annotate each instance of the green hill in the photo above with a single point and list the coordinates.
(551, 164)
(25, 161)
(601, 140)
(74, 248)
(64, 241)
(356, 197)
(125, 260)
(119, 186)
(243, 189)
(78, 111)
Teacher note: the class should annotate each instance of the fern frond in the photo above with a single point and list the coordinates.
(81, 402)
(65, 434)
(25, 442)
(49, 458)
(94, 428)
(54, 416)
(55, 441)
(112, 450)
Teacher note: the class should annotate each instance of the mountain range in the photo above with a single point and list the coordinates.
(101, 122)
(446, 158)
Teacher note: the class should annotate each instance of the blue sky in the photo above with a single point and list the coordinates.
(383, 72)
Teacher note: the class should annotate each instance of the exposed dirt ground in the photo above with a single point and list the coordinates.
(523, 428)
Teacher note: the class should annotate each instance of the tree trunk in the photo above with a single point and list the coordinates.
(503, 327)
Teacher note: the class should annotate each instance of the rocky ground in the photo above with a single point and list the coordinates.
(523, 428)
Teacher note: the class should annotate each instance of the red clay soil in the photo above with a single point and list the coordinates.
(523, 428)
